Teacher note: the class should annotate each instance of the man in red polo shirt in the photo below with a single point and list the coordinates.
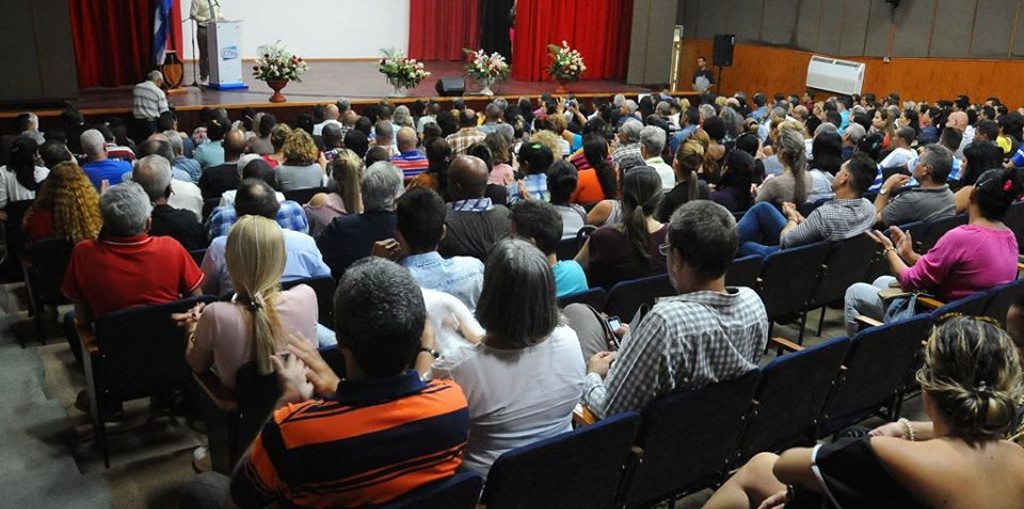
(125, 267)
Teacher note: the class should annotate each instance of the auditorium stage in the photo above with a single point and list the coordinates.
(326, 81)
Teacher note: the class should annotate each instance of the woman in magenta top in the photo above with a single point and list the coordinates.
(971, 258)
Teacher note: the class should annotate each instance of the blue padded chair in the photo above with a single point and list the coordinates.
(934, 230)
(788, 402)
(789, 279)
(875, 369)
(1001, 298)
(46, 262)
(461, 491)
(324, 287)
(581, 468)
(626, 297)
(848, 262)
(686, 440)
(744, 271)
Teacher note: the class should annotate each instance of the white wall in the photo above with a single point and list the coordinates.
(316, 28)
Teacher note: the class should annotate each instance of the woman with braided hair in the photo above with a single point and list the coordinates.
(628, 248)
(970, 383)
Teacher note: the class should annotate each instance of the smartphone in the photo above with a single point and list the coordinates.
(614, 323)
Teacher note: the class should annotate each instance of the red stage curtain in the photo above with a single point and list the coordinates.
(439, 29)
(113, 41)
(599, 29)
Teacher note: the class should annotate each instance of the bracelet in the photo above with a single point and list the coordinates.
(908, 429)
(885, 252)
(433, 353)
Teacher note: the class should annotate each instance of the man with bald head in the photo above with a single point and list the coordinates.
(474, 223)
(410, 160)
(331, 115)
(958, 120)
(217, 179)
(153, 173)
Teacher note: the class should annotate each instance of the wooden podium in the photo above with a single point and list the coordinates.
(224, 46)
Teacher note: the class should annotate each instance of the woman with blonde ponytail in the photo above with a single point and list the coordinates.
(257, 322)
(970, 383)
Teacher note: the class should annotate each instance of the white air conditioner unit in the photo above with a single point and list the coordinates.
(834, 75)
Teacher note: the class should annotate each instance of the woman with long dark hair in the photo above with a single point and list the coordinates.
(597, 182)
(21, 176)
(733, 191)
(827, 149)
(628, 249)
(686, 165)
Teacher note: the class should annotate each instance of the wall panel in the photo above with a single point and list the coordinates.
(877, 34)
(993, 26)
(952, 34)
(807, 25)
(771, 69)
(711, 17)
(853, 27)
(913, 21)
(746, 16)
(828, 31)
(779, 22)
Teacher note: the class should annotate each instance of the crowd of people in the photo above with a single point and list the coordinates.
(443, 226)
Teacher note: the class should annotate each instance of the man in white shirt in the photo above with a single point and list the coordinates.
(331, 115)
(902, 153)
(203, 12)
(148, 102)
(652, 143)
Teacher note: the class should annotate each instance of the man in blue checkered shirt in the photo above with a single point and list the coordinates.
(705, 335)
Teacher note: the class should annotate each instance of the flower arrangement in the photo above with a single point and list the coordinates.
(277, 63)
(566, 63)
(486, 68)
(400, 71)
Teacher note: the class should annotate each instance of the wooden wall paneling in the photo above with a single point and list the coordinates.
(853, 27)
(746, 20)
(830, 27)
(807, 25)
(951, 36)
(913, 28)
(993, 27)
(771, 69)
(778, 24)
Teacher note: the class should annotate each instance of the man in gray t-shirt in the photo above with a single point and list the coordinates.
(932, 200)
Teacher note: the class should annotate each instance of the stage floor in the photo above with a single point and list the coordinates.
(326, 81)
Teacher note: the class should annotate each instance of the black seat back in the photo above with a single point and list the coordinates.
(302, 196)
(626, 297)
(790, 277)
(198, 255)
(790, 398)
(48, 261)
(934, 230)
(141, 351)
(1001, 298)
(848, 262)
(1014, 220)
(255, 395)
(876, 367)
(595, 297)
(744, 271)
(581, 468)
(461, 491)
(208, 207)
(324, 287)
(14, 238)
(687, 439)
(567, 248)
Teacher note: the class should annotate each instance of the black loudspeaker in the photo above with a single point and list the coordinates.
(722, 53)
(895, 3)
(451, 87)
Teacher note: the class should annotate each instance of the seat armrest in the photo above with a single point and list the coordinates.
(582, 416)
(785, 344)
(221, 396)
(86, 336)
(867, 321)
(929, 302)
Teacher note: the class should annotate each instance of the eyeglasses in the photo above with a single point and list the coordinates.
(663, 249)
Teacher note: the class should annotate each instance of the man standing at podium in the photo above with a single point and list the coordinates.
(203, 12)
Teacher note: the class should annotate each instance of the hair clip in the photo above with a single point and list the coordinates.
(982, 388)
(1008, 186)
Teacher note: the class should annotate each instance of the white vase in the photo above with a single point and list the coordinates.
(487, 82)
(398, 89)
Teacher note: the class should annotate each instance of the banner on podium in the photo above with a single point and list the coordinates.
(224, 39)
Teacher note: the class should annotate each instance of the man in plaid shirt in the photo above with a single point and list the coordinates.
(468, 135)
(705, 335)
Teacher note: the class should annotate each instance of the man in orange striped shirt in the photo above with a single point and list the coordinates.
(381, 432)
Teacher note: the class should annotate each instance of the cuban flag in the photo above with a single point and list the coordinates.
(161, 30)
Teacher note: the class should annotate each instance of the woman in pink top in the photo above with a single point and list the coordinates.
(257, 323)
(346, 170)
(975, 257)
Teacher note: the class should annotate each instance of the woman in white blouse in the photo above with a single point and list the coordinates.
(524, 378)
(20, 178)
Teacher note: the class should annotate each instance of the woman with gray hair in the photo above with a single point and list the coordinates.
(524, 379)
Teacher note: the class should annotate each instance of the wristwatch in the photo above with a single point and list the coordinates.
(883, 191)
(433, 353)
